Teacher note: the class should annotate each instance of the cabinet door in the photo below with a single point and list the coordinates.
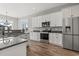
(52, 38)
(67, 12)
(47, 17)
(55, 40)
(33, 22)
(38, 36)
(52, 20)
(35, 36)
(36, 25)
(38, 22)
(75, 10)
(41, 19)
(67, 41)
(66, 21)
(31, 35)
(58, 18)
(60, 39)
(76, 43)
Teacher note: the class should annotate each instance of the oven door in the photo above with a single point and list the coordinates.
(44, 36)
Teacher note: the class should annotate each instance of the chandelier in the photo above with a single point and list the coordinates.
(5, 24)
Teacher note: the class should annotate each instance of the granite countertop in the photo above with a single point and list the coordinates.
(13, 41)
(49, 32)
(56, 29)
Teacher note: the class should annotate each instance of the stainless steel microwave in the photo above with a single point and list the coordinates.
(46, 24)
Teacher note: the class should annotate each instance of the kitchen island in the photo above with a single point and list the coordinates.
(13, 46)
(17, 50)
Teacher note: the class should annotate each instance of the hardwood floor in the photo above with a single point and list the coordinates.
(43, 49)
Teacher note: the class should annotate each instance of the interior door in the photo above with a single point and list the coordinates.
(67, 41)
(75, 25)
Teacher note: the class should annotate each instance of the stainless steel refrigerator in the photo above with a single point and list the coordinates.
(71, 33)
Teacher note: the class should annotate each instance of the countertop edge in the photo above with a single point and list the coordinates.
(12, 45)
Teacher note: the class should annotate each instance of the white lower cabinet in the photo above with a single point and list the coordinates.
(35, 36)
(55, 38)
(38, 36)
(51, 38)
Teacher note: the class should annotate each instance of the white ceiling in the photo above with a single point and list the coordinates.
(25, 9)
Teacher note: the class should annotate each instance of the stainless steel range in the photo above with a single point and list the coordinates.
(44, 35)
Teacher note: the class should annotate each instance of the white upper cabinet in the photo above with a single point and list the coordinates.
(47, 17)
(71, 11)
(32, 22)
(35, 22)
(52, 19)
(56, 19)
(43, 18)
(75, 10)
(66, 12)
(40, 21)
